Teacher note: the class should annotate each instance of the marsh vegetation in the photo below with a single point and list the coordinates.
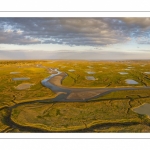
(107, 105)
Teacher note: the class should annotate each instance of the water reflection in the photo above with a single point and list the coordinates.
(143, 109)
(122, 73)
(20, 79)
(90, 78)
(130, 81)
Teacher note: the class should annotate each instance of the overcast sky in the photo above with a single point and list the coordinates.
(75, 38)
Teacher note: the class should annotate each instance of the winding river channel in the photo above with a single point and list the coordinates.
(66, 95)
(99, 91)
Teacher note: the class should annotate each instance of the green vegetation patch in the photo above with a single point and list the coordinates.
(72, 116)
(3, 115)
(126, 94)
(9, 94)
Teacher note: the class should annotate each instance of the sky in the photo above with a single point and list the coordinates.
(100, 38)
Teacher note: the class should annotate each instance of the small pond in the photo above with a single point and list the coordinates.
(143, 109)
(71, 70)
(130, 81)
(89, 66)
(147, 72)
(90, 72)
(14, 72)
(122, 73)
(127, 69)
(142, 65)
(20, 79)
(90, 78)
(63, 66)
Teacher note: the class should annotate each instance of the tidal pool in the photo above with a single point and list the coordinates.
(127, 69)
(142, 65)
(20, 79)
(90, 78)
(130, 81)
(71, 70)
(89, 66)
(144, 109)
(63, 66)
(14, 72)
(90, 72)
(147, 72)
(122, 73)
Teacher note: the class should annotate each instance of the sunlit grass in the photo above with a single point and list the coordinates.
(111, 108)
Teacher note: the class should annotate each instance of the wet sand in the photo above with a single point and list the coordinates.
(57, 80)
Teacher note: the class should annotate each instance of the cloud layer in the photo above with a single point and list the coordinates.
(74, 31)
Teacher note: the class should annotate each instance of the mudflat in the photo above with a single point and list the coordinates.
(56, 80)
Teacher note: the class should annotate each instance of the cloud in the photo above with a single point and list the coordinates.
(73, 31)
(142, 22)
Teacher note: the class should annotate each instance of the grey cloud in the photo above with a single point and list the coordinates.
(72, 31)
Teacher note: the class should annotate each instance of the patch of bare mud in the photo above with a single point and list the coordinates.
(24, 86)
(84, 94)
(56, 80)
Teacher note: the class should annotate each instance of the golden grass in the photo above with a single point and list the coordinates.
(126, 93)
(72, 116)
(140, 128)
(112, 108)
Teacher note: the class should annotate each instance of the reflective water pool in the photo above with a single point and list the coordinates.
(20, 79)
(71, 70)
(90, 78)
(89, 66)
(127, 69)
(130, 81)
(90, 72)
(143, 109)
(14, 72)
(147, 72)
(122, 73)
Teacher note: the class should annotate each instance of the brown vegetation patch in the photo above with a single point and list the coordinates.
(84, 94)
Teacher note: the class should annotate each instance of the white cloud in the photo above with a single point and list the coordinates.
(19, 31)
